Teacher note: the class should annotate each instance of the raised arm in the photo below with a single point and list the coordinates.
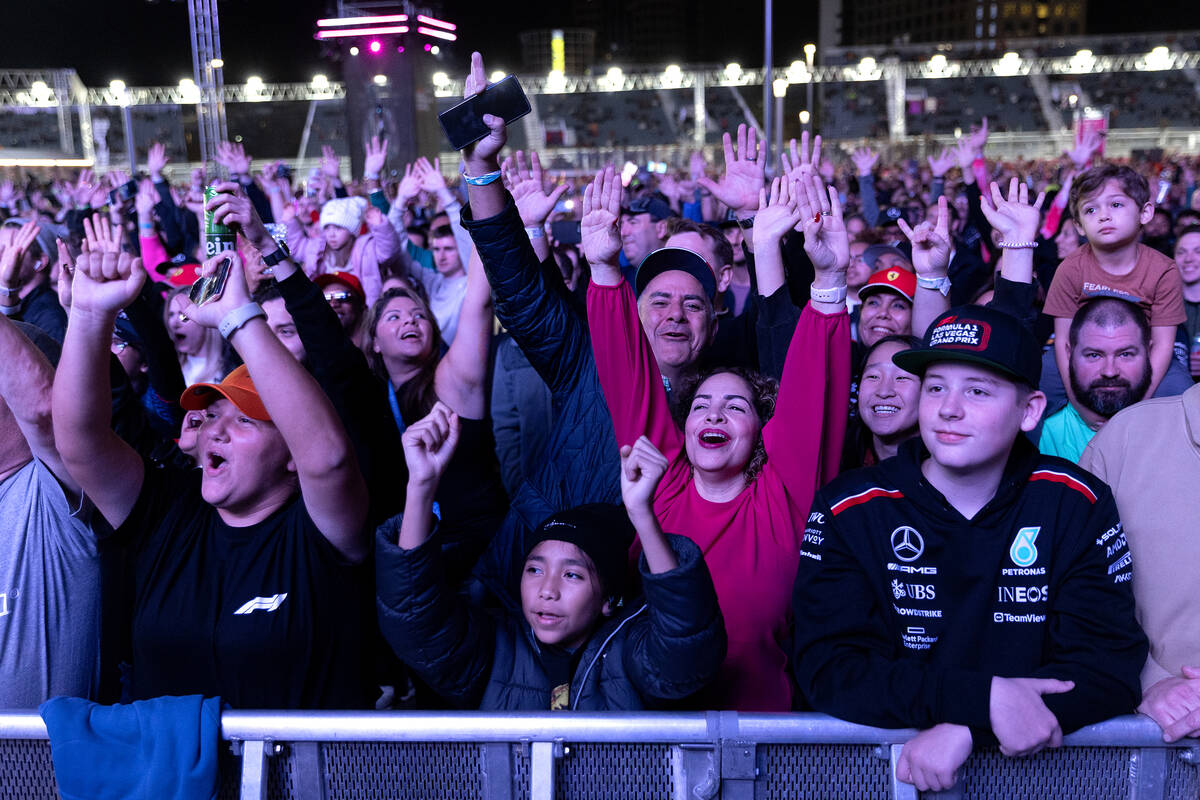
(107, 469)
(462, 372)
(931, 259)
(331, 485)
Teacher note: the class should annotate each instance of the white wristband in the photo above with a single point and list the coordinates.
(239, 317)
(370, 176)
(535, 231)
(834, 295)
(1017, 245)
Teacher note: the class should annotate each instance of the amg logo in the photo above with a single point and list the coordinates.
(267, 604)
(894, 567)
(1023, 594)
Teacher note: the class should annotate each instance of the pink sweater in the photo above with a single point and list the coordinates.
(372, 256)
(751, 543)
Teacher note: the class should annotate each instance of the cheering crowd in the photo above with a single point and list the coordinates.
(912, 444)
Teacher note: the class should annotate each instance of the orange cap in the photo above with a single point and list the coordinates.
(237, 388)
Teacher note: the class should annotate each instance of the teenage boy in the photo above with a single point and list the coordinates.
(573, 646)
(969, 587)
(1111, 205)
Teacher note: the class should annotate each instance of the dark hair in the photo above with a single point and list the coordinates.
(1108, 312)
(764, 390)
(267, 290)
(441, 232)
(722, 249)
(859, 439)
(1092, 181)
(417, 396)
(1187, 230)
(1189, 212)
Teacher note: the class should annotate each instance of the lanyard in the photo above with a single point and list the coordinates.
(395, 404)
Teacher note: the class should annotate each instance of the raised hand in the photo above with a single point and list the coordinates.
(145, 199)
(1019, 717)
(778, 213)
(697, 166)
(231, 207)
(745, 170)
(528, 188)
(432, 179)
(65, 275)
(599, 234)
(978, 137)
(1014, 217)
(117, 178)
(376, 157)
(8, 193)
(429, 444)
(1085, 149)
(801, 163)
(105, 281)
(410, 185)
(825, 238)
(330, 165)
(373, 217)
(930, 242)
(235, 294)
(481, 157)
(156, 160)
(13, 254)
(941, 163)
(233, 157)
(100, 235)
(864, 159)
(964, 154)
(642, 467)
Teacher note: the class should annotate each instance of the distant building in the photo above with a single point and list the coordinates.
(628, 32)
(850, 23)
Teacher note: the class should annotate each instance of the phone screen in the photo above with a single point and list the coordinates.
(463, 124)
(210, 288)
(566, 231)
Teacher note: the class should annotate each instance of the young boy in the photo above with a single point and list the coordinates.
(1111, 204)
(571, 645)
(969, 586)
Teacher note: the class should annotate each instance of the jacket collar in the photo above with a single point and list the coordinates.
(1191, 413)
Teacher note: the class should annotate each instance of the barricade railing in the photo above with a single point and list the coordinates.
(643, 756)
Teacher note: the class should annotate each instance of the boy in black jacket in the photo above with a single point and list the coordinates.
(572, 647)
(969, 587)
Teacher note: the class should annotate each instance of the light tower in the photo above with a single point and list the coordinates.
(208, 74)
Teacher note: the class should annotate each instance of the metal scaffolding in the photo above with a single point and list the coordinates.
(207, 91)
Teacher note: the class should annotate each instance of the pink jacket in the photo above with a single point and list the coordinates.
(373, 256)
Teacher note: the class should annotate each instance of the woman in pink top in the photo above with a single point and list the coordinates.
(746, 465)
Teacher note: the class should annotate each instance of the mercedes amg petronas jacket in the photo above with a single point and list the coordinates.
(904, 609)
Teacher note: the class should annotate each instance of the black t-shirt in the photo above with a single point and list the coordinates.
(266, 616)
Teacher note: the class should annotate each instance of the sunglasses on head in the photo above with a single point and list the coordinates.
(341, 297)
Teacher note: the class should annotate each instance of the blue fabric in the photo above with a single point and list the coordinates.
(165, 748)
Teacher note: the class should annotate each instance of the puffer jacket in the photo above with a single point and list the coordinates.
(581, 462)
(374, 255)
(665, 648)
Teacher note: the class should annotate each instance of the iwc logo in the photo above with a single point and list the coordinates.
(907, 544)
(1023, 551)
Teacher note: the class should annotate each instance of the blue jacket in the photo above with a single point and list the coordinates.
(581, 461)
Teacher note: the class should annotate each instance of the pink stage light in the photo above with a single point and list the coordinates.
(437, 23)
(450, 37)
(379, 20)
(362, 32)
(428, 47)
(400, 49)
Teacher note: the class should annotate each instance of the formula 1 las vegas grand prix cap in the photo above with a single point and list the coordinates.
(978, 335)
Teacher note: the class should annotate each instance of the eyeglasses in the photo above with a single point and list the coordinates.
(340, 297)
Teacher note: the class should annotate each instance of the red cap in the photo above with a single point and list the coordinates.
(342, 277)
(237, 388)
(895, 279)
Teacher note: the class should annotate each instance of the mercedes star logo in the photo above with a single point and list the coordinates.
(907, 544)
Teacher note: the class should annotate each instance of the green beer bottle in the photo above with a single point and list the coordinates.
(217, 237)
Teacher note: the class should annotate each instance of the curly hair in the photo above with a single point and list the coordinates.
(763, 390)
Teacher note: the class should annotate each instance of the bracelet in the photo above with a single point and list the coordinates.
(7, 292)
(535, 231)
(238, 317)
(834, 295)
(11, 311)
(370, 176)
(1016, 245)
(482, 180)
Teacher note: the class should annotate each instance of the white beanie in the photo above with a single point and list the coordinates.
(345, 212)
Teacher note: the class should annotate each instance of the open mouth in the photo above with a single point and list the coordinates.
(409, 335)
(712, 437)
(214, 463)
(545, 618)
(885, 410)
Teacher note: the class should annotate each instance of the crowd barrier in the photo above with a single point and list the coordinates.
(640, 756)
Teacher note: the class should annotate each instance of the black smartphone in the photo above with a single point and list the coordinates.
(123, 193)
(210, 288)
(463, 124)
(566, 231)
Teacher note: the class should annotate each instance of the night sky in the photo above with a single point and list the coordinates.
(148, 43)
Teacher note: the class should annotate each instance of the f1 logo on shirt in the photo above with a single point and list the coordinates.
(267, 604)
(907, 543)
(1023, 551)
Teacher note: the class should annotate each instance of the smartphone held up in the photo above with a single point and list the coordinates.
(463, 123)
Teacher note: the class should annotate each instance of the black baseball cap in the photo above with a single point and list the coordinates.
(665, 259)
(652, 204)
(978, 335)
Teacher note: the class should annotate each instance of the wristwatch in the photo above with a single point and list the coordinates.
(836, 294)
(281, 254)
(746, 224)
(239, 317)
(940, 284)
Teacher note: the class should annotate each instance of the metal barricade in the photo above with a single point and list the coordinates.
(641, 756)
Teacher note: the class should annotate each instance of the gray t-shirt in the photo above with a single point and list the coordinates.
(49, 592)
